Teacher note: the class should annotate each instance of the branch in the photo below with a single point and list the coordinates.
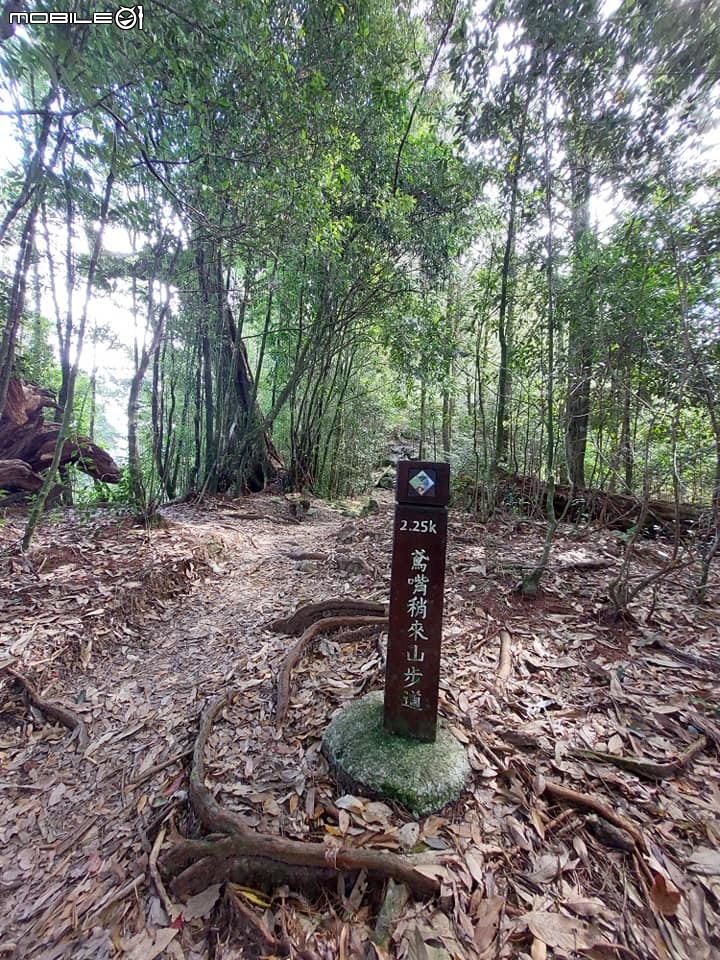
(581, 800)
(438, 47)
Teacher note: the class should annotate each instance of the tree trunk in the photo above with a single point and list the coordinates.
(530, 584)
(245, 458)
(16, 304)
(39, 504)
(506, 303)
(581, 318)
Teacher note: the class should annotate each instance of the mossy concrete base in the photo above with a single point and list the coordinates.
(423, 777)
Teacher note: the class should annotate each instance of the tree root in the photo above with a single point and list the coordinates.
(249, 857)
(310, 613)
(557, 792)
(712, 664)
(296, 652)
(646, 768)
(56, 711)
(259, 873)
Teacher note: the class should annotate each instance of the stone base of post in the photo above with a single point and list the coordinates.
(422, 777)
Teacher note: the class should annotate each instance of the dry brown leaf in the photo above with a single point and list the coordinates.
(408, 835)
(474, 863)
(666, 898)
(548, 866)
(538, 821)
(487, 920)
(560, 932)
(705, 861)
(590, 907)
(202, 903)
(420, 948)
(538, 950)
(146, 946)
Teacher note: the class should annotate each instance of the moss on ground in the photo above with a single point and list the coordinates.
(423, 777)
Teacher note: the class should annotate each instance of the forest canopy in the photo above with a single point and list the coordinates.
(301, 229)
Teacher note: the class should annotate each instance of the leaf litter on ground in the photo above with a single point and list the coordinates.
(136, 629)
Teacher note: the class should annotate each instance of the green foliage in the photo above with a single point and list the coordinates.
(344, 244)
(95, 493)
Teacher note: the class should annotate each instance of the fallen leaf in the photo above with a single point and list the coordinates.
(559, 932)
(586, 907)
(549, 866)
(147, 947)
(666, 898)
(378, 813)
(474, 863)
(56, 794)
(254, 896)
(419, 949)
(351, 803)
(202, 903)
(408, 835)
(538, 951)
(706, 861)
(487, 920)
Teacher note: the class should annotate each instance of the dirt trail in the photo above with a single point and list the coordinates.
(141, 699)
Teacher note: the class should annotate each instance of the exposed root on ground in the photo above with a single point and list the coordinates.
(369, 624)
(310, 613)
(55, 711)
(705, 663)
(582, 800)
(257, 859)
(645, 768)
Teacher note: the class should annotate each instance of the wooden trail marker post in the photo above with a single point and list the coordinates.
(412, 674)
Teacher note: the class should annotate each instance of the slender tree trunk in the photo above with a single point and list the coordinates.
(447, 412)
(530, 584)
(38, 506)
(155, 325)
(33, 182)
(16, 305)
(506, 301)
(626, 442)
(581, 319)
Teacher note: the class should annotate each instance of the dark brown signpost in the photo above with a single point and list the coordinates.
(417, 583)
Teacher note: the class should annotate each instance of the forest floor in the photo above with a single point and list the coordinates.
(136, 630)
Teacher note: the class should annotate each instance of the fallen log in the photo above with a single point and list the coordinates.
(616, 511)
(216, 859)
(18, 475)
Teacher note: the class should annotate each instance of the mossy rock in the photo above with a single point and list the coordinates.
(423, 777)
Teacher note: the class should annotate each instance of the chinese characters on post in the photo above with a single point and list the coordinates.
(416, 600)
